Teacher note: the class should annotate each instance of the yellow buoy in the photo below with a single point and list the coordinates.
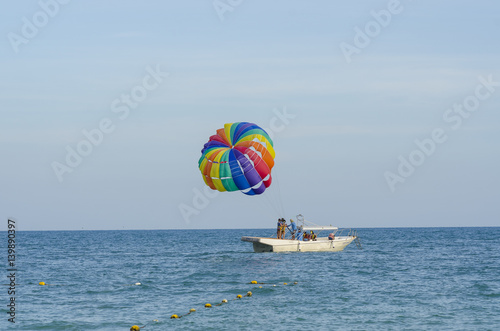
(249, 294)
(239, 296)
(260, 286)
(295, 283)
(208, 305)
(224, 301)
(135, 328)
(285, 284)
(41, 283)
(192, 310)
(174, 316)
(254, 282)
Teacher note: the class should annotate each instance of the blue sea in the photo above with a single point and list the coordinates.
(403, 278)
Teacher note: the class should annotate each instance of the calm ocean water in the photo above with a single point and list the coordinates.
(403, 278)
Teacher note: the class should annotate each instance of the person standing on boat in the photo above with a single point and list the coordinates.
(283, 228)
(278, 231)
(294, 228)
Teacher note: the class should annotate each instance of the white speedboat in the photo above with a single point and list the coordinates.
(333, 243)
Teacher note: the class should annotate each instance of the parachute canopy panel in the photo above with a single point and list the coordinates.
(239, 157)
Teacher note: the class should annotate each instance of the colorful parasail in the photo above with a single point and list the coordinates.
(239, 157)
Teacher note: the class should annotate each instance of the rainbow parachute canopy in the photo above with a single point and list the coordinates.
(238, 158)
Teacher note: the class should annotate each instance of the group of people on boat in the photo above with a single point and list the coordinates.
(292, 227)
(310, 236)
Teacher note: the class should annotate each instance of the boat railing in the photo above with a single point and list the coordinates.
(351, 233)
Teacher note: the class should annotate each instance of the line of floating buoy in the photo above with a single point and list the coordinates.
(209, 305)
(175, 316)
(218, 305)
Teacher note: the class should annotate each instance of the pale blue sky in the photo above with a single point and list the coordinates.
(352, 120)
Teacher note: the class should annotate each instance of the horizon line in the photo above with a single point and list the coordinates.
(205, 229)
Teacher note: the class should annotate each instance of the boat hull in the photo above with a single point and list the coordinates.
(261, 244)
